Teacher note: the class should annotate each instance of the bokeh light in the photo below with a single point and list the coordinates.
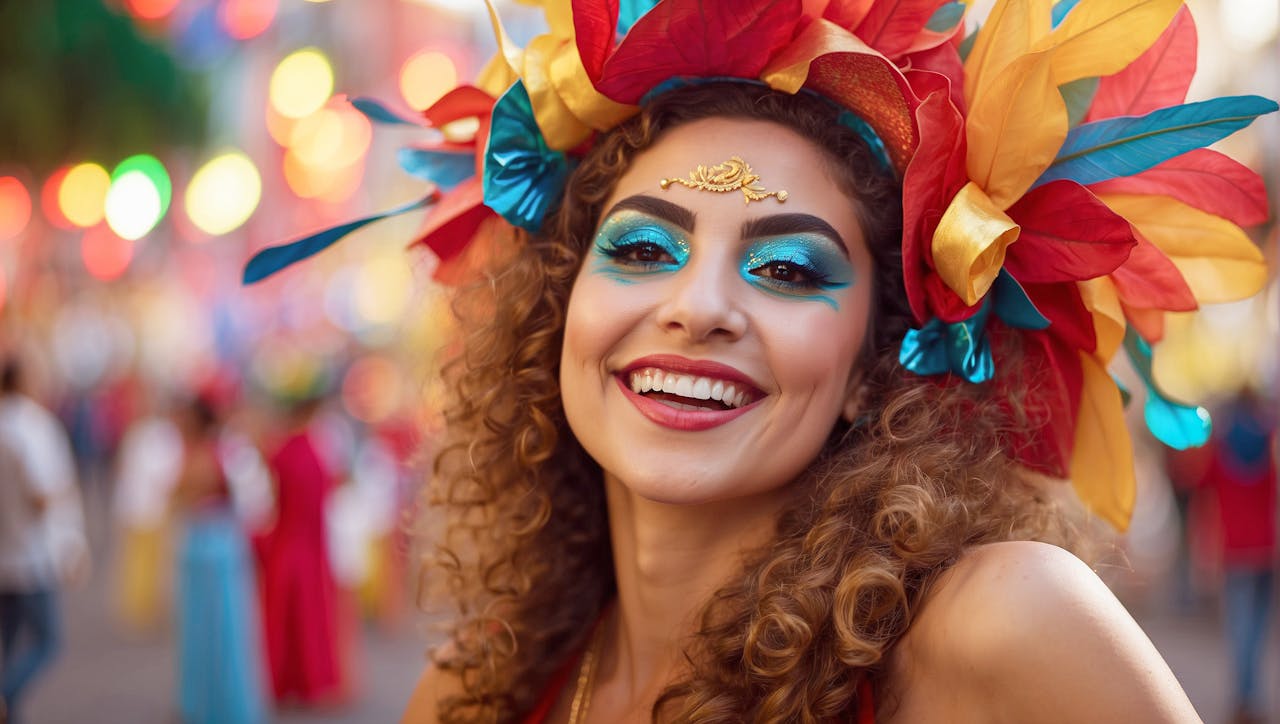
(133, 205)
(150, 9)
(223, 194)
(371, 388)
(154, 170)
(82, 195)
(244, 19)
(106, 256)
(426, 77)
(301, 84)
(383, 288)
(49, 199)
(15, 207)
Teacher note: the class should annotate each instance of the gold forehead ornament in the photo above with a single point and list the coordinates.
(731, 175)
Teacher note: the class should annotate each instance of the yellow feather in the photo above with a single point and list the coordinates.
(1102, 301)
(1009, 31)
(1218, 260)
(1102, 459)
(1101, 37)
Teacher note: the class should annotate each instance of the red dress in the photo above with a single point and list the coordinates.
(299, 594)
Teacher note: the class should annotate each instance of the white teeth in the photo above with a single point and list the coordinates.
(697, 388)
(717, 390)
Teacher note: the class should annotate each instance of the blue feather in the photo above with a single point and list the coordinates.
(445, 169)
(1060, 10)
(946, 18)
(1127, 145)
(1177, 425)
(375, 111)
(274, 258)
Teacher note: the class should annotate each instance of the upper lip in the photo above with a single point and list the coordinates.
(700, 368)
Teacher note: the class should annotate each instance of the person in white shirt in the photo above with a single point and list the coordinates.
(42, 541)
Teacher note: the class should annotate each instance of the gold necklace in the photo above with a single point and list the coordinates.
(586, 677)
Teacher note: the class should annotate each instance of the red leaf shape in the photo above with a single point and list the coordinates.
(1149, 280)
(893, 26)
(698, 38)
(1157, 78)
(1067, 235)
(944, 303)
(1204, 179)
(848, 14)
(942, 61)
(932, 178)
(465, 101)
(1149, 323)
(594, 23)
(1069, 319)
(1047, 381)
(454, 220)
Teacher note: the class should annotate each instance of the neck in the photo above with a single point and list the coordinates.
(668, 561)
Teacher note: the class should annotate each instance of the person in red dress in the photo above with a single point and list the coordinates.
(298, 589)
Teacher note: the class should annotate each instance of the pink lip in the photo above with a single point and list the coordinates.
(686, 420)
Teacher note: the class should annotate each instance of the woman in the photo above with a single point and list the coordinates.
(756, 404)
(219, 659)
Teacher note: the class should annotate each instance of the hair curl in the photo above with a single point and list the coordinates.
(889, 504)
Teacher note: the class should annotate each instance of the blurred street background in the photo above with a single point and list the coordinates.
(149, 147)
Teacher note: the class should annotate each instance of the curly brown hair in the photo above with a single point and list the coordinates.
(889, 504)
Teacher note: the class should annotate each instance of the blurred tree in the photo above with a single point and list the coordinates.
(79, 81)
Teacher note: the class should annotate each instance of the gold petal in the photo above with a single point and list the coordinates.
(970, 242)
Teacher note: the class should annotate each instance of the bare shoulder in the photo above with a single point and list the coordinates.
(1033, 635)
(433, 687)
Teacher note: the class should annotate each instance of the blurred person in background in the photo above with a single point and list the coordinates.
(1242, 472)
(299, 592)
(42, 542)
(149, 463)
(219, 651)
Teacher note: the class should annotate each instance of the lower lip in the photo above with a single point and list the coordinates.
(687, 420)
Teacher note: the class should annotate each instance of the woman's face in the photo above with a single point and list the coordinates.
(710, 342)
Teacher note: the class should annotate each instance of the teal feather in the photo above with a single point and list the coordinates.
(1123, 146)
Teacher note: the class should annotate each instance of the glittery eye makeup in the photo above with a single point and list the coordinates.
(632, 244)
(800, 266)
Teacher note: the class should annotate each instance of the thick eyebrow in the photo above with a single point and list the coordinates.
(660, 208)
(783, 224)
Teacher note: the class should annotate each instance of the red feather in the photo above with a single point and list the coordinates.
(453, 221)
(944, 303)
(931, 180)
(1067, 235)
(698, 38)
(1149, 280)
(1149, 323)
(894, 26)
(1157, 78)
(594, 23)
(1205, 179)
(465, 101)
(1047, 374)
(1069, 319)
(847, 13)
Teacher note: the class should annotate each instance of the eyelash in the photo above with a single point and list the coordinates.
(813, 278)
(625, 250)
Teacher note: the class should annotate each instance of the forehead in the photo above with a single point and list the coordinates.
(782, 158)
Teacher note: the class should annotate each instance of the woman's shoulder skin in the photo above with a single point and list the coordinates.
(432, 688)
(1026, 632)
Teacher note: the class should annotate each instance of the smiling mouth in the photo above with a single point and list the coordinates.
(689, 392)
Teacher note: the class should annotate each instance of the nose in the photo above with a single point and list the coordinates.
(702, 303)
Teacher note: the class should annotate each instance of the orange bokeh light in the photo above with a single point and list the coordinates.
(371, 389)
(150, 9)
(105, 255)
(426, 77)
(15, 207)
(244, 19)
(49, 199)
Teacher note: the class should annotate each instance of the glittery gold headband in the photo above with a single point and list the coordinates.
(731, 175)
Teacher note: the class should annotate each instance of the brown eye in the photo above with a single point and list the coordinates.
(782, 271)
